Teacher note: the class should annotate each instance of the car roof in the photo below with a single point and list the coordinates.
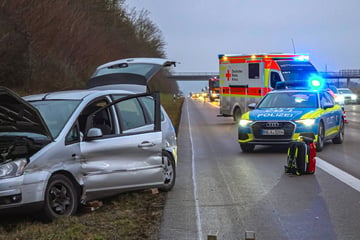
(74, 94)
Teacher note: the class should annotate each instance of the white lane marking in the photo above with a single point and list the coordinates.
(339, 174)
(197, 209)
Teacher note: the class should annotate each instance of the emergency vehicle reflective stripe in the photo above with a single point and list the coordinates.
(319, 112)
(246, 116)
(244, 91)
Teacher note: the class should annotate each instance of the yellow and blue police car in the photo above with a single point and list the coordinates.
(285, 114)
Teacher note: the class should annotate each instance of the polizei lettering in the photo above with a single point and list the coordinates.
(275, 114)
(287, 113)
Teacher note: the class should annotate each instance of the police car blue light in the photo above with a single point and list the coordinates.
(284, 115)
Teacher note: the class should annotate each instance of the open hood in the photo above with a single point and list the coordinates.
(127, 73)
(17, 115)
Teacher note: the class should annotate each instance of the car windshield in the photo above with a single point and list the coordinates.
(290, 100)
(296, 70)
(56, 113)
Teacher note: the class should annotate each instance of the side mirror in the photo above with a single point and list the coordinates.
(252, 106)
(93, 133)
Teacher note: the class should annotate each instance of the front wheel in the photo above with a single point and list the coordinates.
(169, 172)
(340, 137)
(321, 138)
(61, 198)
(237, 114)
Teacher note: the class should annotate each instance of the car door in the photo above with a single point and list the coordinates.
(330, 117)
(129, 159)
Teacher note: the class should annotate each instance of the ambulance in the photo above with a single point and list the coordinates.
(246, 78)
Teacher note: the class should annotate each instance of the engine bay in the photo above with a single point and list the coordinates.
(15, 147)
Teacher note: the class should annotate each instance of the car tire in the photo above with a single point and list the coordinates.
(61, 198)
(340, 137)
(246, 148)
(321, 138)
(169, 172)
(237, 114)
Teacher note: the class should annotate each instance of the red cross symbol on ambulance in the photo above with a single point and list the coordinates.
(228, 75)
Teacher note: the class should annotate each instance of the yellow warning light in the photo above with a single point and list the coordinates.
(253, 56)
(225, 58)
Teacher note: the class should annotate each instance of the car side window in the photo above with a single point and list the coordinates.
(102, 119)
(274, 78)
(73, 136)
(329, 97)
(326, 98)
(131, 114)
(148, 103)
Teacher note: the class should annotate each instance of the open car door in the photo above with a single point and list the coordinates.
(123, 160)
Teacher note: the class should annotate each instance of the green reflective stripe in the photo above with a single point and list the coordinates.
(246, 116)
(307, 158)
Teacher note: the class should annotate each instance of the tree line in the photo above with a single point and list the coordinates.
(48, 45)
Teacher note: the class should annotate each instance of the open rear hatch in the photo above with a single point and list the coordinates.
(131, 74)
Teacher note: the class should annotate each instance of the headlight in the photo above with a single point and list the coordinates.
(244, 122)
(353, 97)
(12, 169)
(339, 98)
(307, 122)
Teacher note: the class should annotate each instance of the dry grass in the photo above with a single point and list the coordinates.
(135, 215)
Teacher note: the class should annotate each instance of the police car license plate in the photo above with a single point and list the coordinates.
(273, 132)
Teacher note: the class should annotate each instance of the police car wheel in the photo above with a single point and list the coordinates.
(321, 137)
(247, 148)
(340, 137)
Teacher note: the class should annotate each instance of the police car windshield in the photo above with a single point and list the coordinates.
(289, 100)
(296, 70)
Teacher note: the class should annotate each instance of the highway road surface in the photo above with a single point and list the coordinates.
(224, 193)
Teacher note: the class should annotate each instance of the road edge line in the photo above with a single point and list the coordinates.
(339, 174)
(196, 198)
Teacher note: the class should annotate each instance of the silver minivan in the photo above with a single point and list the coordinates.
(62, 149)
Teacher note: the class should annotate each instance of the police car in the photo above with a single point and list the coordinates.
(285, 114)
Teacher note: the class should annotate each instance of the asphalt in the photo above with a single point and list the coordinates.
(179, 218)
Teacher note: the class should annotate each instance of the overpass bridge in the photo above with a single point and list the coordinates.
(192, 76)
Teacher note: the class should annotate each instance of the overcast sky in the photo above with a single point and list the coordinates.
(196, 31)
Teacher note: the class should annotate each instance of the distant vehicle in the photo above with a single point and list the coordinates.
(247, 78)
(284, 115)
(214, 89)
(62, 149)
(347, 95)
